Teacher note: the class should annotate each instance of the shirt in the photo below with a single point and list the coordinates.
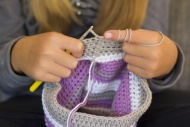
(16, 21)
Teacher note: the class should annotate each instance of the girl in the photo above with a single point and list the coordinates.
(35, 34)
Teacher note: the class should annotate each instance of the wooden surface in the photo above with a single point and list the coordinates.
(179, 30)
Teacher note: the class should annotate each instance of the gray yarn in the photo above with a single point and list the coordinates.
(98, 46)
(60, 113)
(94, 47)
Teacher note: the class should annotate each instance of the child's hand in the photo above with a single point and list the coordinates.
(147, 62)
(43, 57)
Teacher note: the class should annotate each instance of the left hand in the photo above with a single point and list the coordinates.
(147, 62)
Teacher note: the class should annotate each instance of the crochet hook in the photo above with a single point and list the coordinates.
(35, 85)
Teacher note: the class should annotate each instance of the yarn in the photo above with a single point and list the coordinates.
(118, 98)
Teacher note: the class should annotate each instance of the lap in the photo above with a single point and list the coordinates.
(170, 108)
(22, 111)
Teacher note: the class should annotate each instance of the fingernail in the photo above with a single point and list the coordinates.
(108, 35)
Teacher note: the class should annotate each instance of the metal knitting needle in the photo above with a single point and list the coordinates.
(86, 33)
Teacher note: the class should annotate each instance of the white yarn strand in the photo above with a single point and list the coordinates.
(126, 36)
(130, 36)
(153, 45)
(119, 35)
(90, 86)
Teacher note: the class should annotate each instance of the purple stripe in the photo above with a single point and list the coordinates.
(48, 122)
(122, 100)
(110, 68)
(71, 84)
(100, 103)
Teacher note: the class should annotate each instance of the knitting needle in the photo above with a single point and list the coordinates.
(36, 84)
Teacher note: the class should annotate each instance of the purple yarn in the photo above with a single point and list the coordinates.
(111, 69)
(71, 84)
(122, 100)
(48, 122)
(72, 88)
(100, 103)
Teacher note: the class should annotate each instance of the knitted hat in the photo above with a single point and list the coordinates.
(100, 92)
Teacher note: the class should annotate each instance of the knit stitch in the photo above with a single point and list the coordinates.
(118, 97)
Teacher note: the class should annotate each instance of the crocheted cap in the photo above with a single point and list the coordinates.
(118, 97)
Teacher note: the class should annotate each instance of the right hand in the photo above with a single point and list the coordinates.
(43, 58)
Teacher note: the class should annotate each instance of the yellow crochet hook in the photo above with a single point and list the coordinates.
(35, 85)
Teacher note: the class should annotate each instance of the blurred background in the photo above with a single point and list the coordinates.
(179, 31)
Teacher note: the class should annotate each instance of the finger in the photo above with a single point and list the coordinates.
(135, 61)
(52, 78)
(60, 71)
(137, 50)
(57, 70)
(138, 36)
(48, 77)
(75, 46)
(65, 59)
(136, 70)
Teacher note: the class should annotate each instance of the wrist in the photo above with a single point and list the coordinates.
(15, 57)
